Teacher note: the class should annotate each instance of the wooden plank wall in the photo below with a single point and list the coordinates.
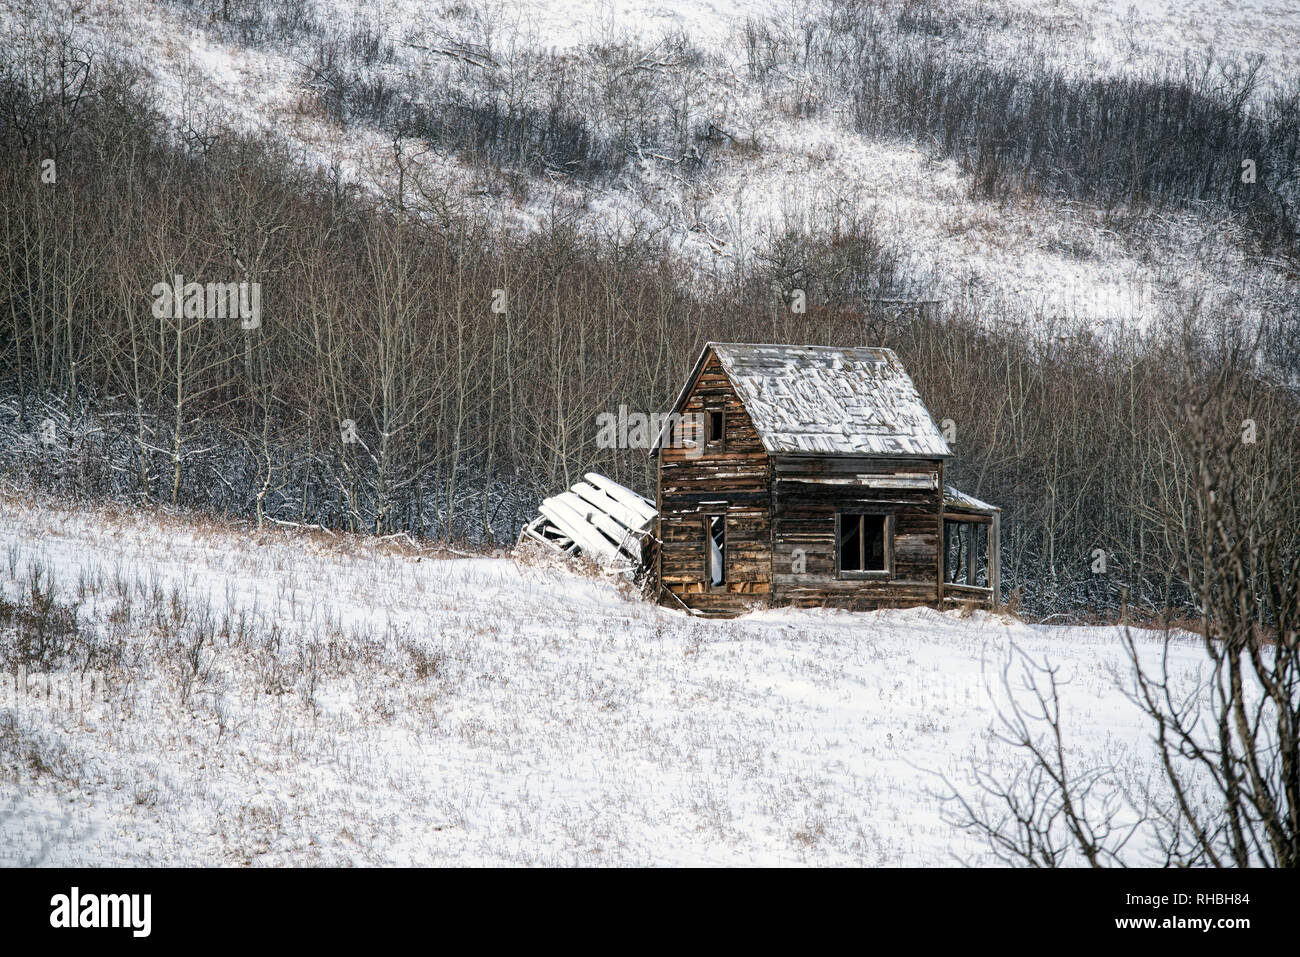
(733, 481)
(807, 494)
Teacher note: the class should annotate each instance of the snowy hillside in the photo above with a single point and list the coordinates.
(292, 698)
(1042, 261)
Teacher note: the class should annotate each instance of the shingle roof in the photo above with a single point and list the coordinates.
(828, 400)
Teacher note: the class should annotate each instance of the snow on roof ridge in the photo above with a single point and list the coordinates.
(793, 345)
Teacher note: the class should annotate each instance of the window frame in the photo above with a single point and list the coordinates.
(708, 552)
(979, 551)
(718, 442)
(872, 573)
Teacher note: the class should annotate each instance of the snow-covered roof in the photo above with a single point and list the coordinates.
(952, 498)
(828, 400)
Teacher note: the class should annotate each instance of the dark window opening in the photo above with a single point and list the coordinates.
(862, 545)
(715, 426)
(966, 553)
(717, 545)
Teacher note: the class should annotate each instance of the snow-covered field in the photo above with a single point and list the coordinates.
(285, 697)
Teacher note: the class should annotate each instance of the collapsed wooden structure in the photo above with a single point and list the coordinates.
(598, 518)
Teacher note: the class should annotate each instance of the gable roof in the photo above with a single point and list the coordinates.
(826, 400)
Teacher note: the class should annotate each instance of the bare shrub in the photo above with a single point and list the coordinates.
(39, 633)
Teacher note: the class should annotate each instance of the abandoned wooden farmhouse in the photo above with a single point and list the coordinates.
(790, 475)
(812, 476)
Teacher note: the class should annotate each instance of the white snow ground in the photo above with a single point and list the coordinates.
(556, 718)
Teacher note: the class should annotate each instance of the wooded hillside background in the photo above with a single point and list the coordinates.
(378, 309)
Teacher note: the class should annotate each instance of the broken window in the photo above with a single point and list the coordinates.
(864, 544)
(717, 550)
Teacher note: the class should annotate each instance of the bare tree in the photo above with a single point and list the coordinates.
(1228, 743)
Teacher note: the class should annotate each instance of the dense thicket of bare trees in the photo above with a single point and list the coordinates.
(1176, 136)
(414, 369)
(493, 97)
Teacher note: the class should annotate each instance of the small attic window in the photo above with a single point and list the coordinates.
(715, 426)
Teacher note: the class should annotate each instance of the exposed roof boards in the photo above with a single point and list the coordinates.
(827, 400)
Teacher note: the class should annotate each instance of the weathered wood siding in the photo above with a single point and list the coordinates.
(808, 492)
(781, 513)
(734, 481)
